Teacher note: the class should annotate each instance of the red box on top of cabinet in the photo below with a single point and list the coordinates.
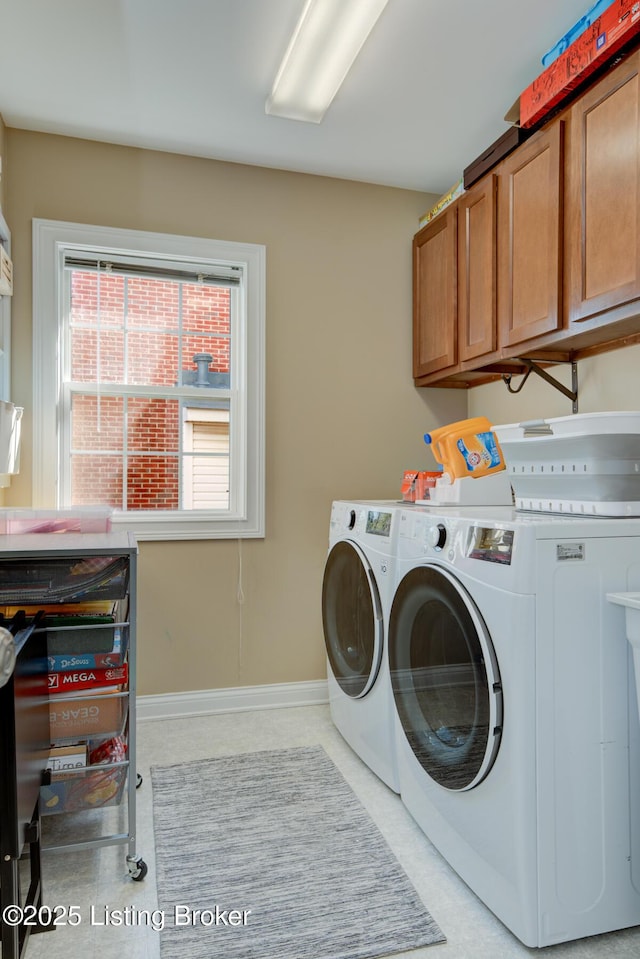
(614, 28)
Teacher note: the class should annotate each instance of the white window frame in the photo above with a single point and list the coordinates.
(52, 240)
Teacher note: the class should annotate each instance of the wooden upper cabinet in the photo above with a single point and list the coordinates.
(542, 255)
(530, 183)
(477, 270)
(434, 295)
(603, 195)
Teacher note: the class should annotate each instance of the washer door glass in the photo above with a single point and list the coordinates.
(445, 678)
(351, 619)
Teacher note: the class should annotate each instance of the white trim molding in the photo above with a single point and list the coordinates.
(206, 702)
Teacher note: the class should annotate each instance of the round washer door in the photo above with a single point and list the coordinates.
(445, 678)
(351, 619)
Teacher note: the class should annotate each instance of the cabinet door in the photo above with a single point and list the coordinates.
(603, 195)
(477, 270)
(529, 244)
(434, 295)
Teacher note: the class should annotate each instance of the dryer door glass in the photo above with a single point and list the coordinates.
(351, 619)
(445, 678)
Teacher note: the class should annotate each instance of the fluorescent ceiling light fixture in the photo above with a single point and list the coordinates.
(327, 39)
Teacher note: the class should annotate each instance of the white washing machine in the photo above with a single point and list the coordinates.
(357, 590)
(516, 720)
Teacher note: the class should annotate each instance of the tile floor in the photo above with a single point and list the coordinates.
(97, 878)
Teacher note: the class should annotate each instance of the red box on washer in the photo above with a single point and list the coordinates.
(416, 484)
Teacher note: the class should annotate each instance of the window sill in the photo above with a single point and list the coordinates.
(199, 525)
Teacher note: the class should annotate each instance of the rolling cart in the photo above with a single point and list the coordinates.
(83, 585)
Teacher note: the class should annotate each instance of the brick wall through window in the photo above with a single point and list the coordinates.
(137, 331)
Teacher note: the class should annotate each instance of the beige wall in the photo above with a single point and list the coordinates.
(343, 418)
(609, 381)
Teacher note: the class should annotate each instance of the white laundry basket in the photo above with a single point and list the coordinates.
(586, 464)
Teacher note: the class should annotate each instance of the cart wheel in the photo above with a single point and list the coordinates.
(137, 869)
(138, 780)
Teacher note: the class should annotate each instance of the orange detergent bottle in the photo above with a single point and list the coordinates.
(466, 448)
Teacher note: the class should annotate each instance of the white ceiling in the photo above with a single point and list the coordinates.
(426, 95)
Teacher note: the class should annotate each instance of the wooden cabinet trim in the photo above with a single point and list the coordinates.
(477, 333)
(530, 221)
(600, 220)
(435, 335)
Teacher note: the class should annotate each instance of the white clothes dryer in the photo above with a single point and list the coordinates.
(517, 730)
(357, 590)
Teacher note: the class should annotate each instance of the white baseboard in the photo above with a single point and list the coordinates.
(204, 702)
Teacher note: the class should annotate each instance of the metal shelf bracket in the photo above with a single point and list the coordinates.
(533, 367)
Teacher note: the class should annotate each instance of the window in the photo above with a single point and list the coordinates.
(149, 379)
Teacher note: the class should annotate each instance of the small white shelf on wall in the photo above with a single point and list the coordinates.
(5, 336)
(5, 322)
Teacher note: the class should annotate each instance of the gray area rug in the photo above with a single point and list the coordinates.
(282, 861)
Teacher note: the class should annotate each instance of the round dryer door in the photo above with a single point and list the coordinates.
(351, 619)
(445, 678)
